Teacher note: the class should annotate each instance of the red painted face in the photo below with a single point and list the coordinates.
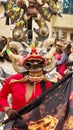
(34, 63)
(33, 59)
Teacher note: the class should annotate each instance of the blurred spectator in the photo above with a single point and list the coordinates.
(70, 61)
(61, 56)
(71, 56)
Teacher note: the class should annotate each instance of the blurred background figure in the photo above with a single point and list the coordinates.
(61, 56)
(5, 62)
(70, 61)
(71, 55)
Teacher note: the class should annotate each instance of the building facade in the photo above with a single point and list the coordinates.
(63, 27)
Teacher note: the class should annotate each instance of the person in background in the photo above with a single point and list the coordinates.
(63, 51)
(5, 62)
(71, 56)
(70, 61)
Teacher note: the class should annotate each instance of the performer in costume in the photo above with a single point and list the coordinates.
(25, 86)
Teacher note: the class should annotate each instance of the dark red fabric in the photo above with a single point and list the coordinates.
(61, 68)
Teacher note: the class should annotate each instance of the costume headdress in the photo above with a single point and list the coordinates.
(34, 62)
